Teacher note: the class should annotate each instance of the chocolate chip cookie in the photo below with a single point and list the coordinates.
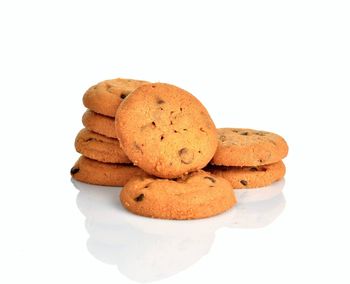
(194, 196)
(165, 130)
(100, 148)
(106, 96)
(247, 147)
(94, 172)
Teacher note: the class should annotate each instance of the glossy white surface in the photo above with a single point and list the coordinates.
(281, 66)
(147, 249)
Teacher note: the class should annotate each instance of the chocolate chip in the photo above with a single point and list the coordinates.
(185, 129)
(213, 180)
(147, 185)
(180, 108)
(124, 95)
(74, 170)
(161, 138)
(186, 156)
(260, 169)
(153, 123)
(244, 133)
(160, 101)
(202, 129)
(244, 182)
(139, 198)
(175, 131)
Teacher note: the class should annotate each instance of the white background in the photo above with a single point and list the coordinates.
(282, 66)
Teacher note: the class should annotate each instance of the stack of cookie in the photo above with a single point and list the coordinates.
(155, 139)
(103, 162)
(249, 158)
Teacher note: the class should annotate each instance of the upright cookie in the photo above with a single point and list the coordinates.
(250, 177)
(247, 147)
(165, 130)
(106, 96)
(99, 147)
(197, 195)
(99, 123)
(94, 172)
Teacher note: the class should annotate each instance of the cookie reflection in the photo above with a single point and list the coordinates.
(146, 249)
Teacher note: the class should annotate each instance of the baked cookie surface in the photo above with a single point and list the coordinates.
(165, 130)
(250, 177)
(99, 123)
(197, 195)
(106, 96)
(100, 148)
(94, 172)
(247, 147)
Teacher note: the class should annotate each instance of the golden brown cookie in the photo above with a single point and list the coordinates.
(106, 96)
(165, 130)
(197, 195)
(247, 147)
(99, 123)
(100, 148)
(250, 177)
(94, 172)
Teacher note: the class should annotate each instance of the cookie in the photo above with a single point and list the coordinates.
(105, 97)
(165, 130)
(247, 147)
(197, 195)
(250, 177)
(100, 148)
(94, 172)
(99, 123)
